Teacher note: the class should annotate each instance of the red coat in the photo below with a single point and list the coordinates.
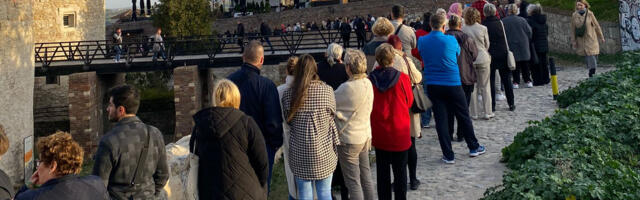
(479, 5)
(390, 122)
(414, 51)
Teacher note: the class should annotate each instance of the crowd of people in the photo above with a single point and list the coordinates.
(328, 114)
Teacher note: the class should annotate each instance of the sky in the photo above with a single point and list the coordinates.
(123, 3)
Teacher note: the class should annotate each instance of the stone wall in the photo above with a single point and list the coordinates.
(51, 99)
(48, 20)
(560, 34)
(16, 81)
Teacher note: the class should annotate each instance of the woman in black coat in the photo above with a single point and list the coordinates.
(233, 158)
(538, 23)
(498, 51)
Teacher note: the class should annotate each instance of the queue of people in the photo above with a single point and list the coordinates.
(327, 115)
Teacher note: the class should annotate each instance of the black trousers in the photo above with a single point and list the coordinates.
(446, 99)
(522, 67)
(241, 44)
(361, 38)
(385, 160)
(345, 40)
(468, 89)
(505, 79)
(413, 160)
(540, 71)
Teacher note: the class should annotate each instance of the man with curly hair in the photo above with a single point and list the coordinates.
(6, 187)
(55, 178)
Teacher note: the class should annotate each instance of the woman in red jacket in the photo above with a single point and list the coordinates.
(390, 123)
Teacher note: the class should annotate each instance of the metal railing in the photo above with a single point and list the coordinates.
(173, 47)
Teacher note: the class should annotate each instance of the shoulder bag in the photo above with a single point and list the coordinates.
(580, 31)
(420, 100)
(511, 61)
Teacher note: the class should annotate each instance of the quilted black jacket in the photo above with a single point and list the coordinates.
(540, 30)
(232, 152)
(117, 158)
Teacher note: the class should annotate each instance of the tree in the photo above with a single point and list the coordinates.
(184, 17)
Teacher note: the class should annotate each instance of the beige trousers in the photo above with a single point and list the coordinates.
(483, 88)
(354, 161)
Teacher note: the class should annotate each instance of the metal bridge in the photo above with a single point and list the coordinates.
(63, 58)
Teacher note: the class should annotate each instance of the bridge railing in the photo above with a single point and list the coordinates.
(135, 48)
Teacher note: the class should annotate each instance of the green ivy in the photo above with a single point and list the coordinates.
(590, 150)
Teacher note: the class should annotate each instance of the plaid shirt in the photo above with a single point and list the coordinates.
(314, 136)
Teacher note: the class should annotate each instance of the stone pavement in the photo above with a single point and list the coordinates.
(469, 177)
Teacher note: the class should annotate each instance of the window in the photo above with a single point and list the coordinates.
(69, 20)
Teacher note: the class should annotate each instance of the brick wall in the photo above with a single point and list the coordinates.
(84, 120)
(187, 88)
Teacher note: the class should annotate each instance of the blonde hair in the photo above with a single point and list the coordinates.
(385, 54)
(586, 4)
(4, 141)
(291, 64)
(356, 61)
(471, 16)
(382, 27)
(226, 94)
(61, 148)
(334, 52)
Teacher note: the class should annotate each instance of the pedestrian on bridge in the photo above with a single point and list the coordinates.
(240, 34)
(117, 43)
(265, 31)
(345, 31)
(158, 45)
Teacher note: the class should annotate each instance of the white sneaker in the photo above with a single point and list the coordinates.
(516, 86)
(500, 97)
(529, 85)
(479, 98)
(474, 117)
(489, 116)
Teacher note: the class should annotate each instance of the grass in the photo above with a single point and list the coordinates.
(606, 59)
(279, 188)
(87, 166)
(605, 10)
(151, 94)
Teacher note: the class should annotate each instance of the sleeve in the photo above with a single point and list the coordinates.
(161, 175)
(343, 105)
(407, 87)
(257, 152)
(597, 27)
(273, 116)
(332, 110)
(414, 40)
(528, 31)
(485, 37)
(471, 45)
(103, 163)
(416, 76)
(573, 30)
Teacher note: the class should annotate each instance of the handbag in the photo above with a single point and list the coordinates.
(511, 61)
(421, 103)
(192, 177)
(580, 31)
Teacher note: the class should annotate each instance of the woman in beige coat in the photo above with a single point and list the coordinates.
(482, 64)
(587, 44)
(404, 63)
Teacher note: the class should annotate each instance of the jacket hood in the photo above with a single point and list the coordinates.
(216, 121)
(384, 78)
(540, 19)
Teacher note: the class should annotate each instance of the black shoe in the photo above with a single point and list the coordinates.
(459, 139)
(512, 107)
(414, 184)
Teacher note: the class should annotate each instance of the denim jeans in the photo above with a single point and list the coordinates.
(161, 52)
(271, 154)
(118, 52)
(425, 117)
(323, 188)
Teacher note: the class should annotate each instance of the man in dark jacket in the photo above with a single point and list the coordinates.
(361, 33)
(240, 34)
(131, 158)
(260, 99)
(265, 31)
(540, 30)
(230, 146)
(345, 31)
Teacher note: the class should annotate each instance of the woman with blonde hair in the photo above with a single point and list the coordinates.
(230, 147)
(309, 108)
(331, 70)
(482, 64)
(586, 33)
(56, 176)
(382, 28)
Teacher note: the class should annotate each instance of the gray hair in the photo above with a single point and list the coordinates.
(441, 11)
(356, 61)
(334, 52)
(534, 9)
(455, 21)
(513, 9)
(489, 9)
